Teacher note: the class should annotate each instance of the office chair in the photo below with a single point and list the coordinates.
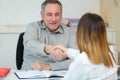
(118, 72)
(19, 51)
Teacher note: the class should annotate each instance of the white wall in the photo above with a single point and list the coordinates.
(8, 43)
(76, 8)
(14, 12)
(19, 11)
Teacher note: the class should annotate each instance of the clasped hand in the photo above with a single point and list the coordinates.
(57, 51)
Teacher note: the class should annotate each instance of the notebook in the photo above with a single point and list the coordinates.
(32, 74)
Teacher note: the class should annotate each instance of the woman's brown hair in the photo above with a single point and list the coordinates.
(92, 39)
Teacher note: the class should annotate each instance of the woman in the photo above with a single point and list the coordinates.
(94, 60)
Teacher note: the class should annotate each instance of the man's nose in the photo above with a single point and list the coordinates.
(53, 18)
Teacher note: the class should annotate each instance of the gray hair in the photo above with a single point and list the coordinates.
(50, 2)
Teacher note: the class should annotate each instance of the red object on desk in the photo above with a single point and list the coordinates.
(4, 71)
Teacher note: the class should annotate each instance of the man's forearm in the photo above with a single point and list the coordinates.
(63, 65)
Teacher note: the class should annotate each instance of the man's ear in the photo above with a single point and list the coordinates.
(42, 14)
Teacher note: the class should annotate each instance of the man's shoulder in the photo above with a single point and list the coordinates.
(36, 24)
(65, 27)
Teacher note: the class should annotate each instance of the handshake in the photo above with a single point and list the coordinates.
(58, 52)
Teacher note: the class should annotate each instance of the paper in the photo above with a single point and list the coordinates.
(30, 74)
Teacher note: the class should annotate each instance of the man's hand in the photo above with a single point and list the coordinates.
(40, 66)
(55, 52)
(58, 54)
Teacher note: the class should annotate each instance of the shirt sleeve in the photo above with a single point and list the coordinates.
(31, 40)
(63, 65)
(72, 53)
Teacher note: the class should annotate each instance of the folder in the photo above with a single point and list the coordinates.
(4, 72)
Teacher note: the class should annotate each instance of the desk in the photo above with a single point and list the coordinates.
(12, 76)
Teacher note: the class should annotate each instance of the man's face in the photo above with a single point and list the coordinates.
(52, 16)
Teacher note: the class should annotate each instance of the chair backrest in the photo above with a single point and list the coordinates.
(19, 51)
(118, 73)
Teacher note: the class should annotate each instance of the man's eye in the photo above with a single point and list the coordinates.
(49, 15)
(57, 14)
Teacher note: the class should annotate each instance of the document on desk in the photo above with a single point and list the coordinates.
(35, 74)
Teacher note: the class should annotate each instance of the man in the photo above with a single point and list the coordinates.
(42, 37)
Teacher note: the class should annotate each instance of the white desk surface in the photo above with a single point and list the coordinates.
(12, 76)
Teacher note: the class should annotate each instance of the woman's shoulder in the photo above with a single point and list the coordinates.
(83, 57)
